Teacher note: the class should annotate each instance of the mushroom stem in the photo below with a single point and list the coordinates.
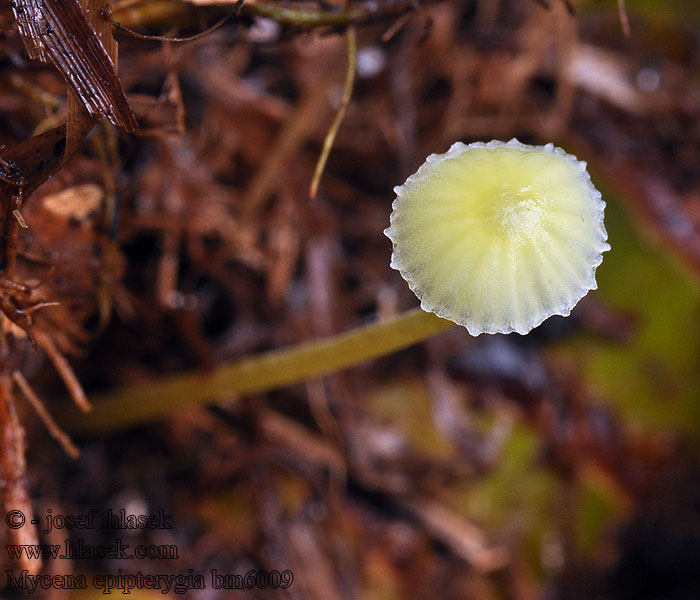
(161, 397)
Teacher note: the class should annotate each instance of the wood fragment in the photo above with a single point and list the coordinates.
(22, 169)
(13, 473)
(57, 31)
(31, 162)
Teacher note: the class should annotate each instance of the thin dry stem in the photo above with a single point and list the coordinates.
(624, 18)
(290, 138)
(56, 432)
(64, 370)
(191, 38)
(342, 109)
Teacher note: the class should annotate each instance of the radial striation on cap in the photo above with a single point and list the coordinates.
(498, 237)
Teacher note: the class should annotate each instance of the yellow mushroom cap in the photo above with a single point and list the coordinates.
(498, 237)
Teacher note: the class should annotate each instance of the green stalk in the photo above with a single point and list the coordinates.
(307, 17)
(161, 397)
(340, 115)
(172, 12)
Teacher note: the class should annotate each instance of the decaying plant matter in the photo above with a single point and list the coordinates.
(49, 275)
(157, 233)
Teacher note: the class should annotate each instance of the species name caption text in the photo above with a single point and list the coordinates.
(120, 582)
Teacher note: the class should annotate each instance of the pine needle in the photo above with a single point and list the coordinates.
(56, 432)
(65, 371)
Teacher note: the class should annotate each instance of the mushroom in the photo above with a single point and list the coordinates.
(498, 236)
